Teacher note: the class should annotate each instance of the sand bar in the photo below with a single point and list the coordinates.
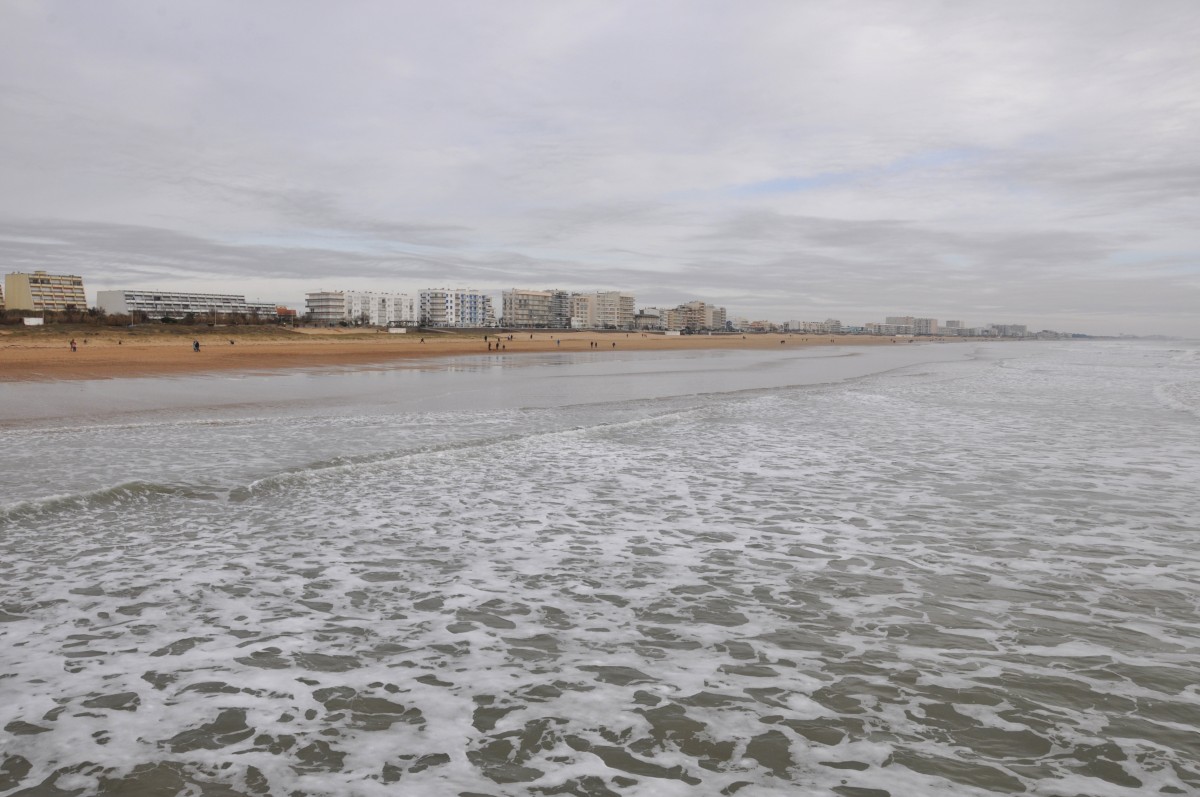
(113, 353)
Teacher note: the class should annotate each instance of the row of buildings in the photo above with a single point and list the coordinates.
(519, 307)
(463, 308)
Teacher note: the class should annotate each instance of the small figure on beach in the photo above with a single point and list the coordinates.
(73, 347)
(614, 344)
(231, 342)
(195, 345)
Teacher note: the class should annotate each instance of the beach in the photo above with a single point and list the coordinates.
(108, 353)
(881, 570)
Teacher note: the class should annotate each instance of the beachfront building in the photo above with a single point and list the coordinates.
(380, 309)
(830, 326)
(919, 326)
(603, 310)
(536, 309)
(696, 316)
(325, 307)
(177, 305)
(455, 307)
(872, 328)
(360, 307)
(648, 318)
(42, 291)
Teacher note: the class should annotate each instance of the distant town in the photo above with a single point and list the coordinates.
(40, 298)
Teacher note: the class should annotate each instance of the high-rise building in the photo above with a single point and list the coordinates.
(42, 291)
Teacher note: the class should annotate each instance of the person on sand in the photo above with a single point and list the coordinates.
(195, 345)
(73, 347)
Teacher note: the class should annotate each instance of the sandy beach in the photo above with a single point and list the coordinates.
(107, 353)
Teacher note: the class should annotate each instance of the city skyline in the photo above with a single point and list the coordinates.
(1027, 163)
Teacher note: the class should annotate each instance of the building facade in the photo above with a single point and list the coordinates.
(42, 291)
(360, 307)
(173, 304)
(460, 307)
(525, 308)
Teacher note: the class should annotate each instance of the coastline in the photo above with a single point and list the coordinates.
(118, 354)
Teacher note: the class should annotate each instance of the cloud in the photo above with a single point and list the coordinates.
(780, 158)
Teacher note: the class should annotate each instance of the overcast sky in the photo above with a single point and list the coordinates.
(992, 162)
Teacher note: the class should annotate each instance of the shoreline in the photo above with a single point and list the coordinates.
(120, 354)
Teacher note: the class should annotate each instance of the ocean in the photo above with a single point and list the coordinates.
(967, 569)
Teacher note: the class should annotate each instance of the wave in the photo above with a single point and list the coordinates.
(124, 494)
(347, 464)
(1181, 396)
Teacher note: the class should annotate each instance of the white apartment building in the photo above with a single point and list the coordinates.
(380, 309)
(830, 326)
(360, 307)
(177, 304)
(888, 329)
(920, 326)
(455, 307)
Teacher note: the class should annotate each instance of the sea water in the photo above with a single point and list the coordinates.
(906, 570)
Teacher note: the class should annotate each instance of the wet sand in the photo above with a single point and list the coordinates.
(116, 354)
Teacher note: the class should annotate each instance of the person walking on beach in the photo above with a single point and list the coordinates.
(73, 347)
(195, 345)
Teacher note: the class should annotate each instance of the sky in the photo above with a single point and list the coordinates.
(1015, 162)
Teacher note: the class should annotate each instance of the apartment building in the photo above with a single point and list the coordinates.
(42, 291)
(380, 309)
(175, 304)
(360, 307)
(830, 326)
(919, 326)
(549, 308)
(699, 315)
(462, 307)
(325, 307)
(614, 309)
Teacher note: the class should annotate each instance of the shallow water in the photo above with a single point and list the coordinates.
(935, 570)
